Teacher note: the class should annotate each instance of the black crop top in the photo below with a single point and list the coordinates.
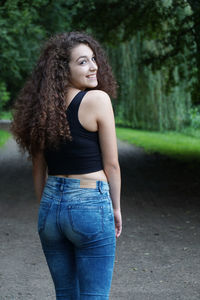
(81, 155)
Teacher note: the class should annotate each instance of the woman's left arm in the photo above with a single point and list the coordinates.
(39, 171)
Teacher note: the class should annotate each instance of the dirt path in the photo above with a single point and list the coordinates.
(157, 254)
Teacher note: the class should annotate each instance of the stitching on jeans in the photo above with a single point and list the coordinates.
(100, 209)
(42, 227)
(58, 216)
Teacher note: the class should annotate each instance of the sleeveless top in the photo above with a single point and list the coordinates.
(80, 155)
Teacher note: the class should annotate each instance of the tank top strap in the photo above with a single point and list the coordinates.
(72, 110)
(76, 101)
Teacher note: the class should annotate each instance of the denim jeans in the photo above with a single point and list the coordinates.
(77, 233)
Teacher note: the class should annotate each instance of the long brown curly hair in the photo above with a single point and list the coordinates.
(39, 113)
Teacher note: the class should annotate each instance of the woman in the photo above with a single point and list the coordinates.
(64, 119)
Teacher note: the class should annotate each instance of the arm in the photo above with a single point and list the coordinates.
(39, 172)
(108, 144)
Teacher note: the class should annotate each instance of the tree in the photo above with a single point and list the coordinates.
(18, 46)
(24, 26)
(174, 26)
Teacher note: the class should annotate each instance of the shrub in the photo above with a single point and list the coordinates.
(4, 96)
(194, 114)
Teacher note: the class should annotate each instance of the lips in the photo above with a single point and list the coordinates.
(92, 76)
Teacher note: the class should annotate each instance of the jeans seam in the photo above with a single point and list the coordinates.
(58, 216)
(42, 228)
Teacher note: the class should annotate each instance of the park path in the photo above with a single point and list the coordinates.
(157, 254)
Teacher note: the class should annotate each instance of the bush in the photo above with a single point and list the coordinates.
(4, 96)
(194, 114)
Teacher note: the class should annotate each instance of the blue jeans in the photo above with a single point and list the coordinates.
(77, 233)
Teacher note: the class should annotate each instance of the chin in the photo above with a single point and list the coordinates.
(93, 85)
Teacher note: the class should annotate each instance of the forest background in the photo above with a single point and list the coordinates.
(153, 47)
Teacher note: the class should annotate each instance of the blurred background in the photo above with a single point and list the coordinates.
(154, 49)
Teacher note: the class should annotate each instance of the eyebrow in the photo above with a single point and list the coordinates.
(83, 57)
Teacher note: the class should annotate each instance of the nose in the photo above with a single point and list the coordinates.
(93, 65)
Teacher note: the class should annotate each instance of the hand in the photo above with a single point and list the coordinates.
(118, 222)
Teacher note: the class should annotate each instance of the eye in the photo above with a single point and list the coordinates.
(94, 58)
(82, 62)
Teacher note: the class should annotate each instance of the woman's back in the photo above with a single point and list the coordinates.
(81, 154)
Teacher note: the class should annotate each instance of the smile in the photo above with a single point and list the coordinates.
(91, 76)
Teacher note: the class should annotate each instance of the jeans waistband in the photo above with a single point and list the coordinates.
(61, 182)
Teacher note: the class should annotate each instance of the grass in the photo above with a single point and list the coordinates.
(194, 132)
(173, 144)
(4, 136)
(5, 115)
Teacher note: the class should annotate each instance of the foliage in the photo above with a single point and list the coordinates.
(172, 144)
(194, 114)
(173, 25)
(143, 102)
(162, 68)
(190, 131)
(24, 26)
(4, 96)
(117, 21)
(19, 41)
(4, 136)
(5, 115)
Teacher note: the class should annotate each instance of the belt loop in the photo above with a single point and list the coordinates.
(100, 187)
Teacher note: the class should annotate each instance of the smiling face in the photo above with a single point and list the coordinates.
(83, 68)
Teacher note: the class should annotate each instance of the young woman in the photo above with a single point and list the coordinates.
(64, 118)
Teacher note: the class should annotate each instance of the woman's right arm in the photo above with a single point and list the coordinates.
(39, 171)
(108, 143)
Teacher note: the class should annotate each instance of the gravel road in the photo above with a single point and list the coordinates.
(158, 252)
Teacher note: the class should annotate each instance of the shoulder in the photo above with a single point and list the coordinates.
(98, 93)
(99, 105)
(98, 97)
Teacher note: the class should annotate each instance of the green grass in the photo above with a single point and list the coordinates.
(176, 145)
(5, 115)
(4, 136)
(189, 131)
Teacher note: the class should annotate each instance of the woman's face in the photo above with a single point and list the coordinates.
(83, 68)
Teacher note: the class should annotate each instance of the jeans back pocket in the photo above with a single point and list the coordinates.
(86, 220)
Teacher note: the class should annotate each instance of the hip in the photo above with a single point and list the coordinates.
(65, 202)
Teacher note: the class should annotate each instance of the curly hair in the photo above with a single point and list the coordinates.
(39, 113)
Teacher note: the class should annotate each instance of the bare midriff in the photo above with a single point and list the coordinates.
(99, 175)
